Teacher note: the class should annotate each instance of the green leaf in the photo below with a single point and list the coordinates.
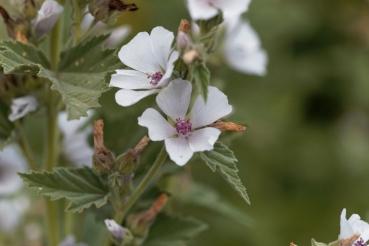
(205, 196)
(202, 78)
(6, 127)
(173, 231)
(81, 75)
(81, 186)
(222, 160)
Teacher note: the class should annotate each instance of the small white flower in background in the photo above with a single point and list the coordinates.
(22, 106)
(243, 50)
(75, 145)
(11, 162)
(11, 212)
(206, 9)
(116, 230)
(71, 241)
(354, 225)
(188, 134)
(47, 17)
(153, 63)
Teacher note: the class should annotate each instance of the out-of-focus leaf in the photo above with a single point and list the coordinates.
(173, 231)
(205, 196)
(222, 160)
(202, 78)
(81, 186)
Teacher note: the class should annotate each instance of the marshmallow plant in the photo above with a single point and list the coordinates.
(47, 92)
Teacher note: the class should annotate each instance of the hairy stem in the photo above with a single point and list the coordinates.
(56, 43)
(27, 151)
(77, 21)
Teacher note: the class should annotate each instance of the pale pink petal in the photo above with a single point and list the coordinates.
(159, 128)
(203, 139)
(117, 36)
(179, 150)
(47, 17)
(161, 41)
(168, 70)
(232, 8)
(130, 79)
(137, 54)
(201, 10)
(129, 97)
(175, 99)
(115, 229)
(215, 108)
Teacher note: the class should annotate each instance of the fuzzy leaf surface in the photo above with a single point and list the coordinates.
(80, 186)
(174, 231)
(222, 160)
(81, 74)
(202, 77)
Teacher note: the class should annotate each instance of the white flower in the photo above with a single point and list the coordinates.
(206, 9)
(117, 36)
(75, 145)
(153, 63)
(47, 17)
(353, 225)
(116, 230)
(243, 50)
(189, 134)
(9, 216)
(71, 241)
(11, 162)
(22, 106)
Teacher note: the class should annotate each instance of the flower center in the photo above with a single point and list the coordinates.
(360, 242)
(183, 126)
(155, 78)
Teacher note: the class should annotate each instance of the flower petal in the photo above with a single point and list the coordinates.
(168, 70)
(115, 229)
(203, 139)
(9, 216)
(130, 79)
(201, 10)
(138, 55)
(117, 36)
(159, 128)
(232, 8)
(346, 230)
(22, 106)
(128, 97)
(47, 17)
(215, 108)
(161, 42)
(175, 99)
(359, 226)
(179, 150)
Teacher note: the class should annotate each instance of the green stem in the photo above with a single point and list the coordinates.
(139, 190)
(77, 19)
(52, 222)
(27, 151)
(56, 43)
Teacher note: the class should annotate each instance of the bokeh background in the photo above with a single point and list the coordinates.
(305, 154)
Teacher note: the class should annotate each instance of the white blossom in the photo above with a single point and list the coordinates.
(353, 225)
(152, 61)
(47, 17)
(11, 212)
(22, 106)
(243, 50)
(188, 134)
(206, 9)
(75, 144)
(70, 241)
(11, 162)
(116, 230)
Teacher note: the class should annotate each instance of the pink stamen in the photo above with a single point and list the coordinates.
(155, 78)
(183, 126)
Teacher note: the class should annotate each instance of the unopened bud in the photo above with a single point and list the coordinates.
(227, 126)
(183, 40)
(128, 162)
(47, 17)
(115, 180)
(121, 235)
(103, 159)
(17, 29)
(184, 27)
(107, 11)
(140, 223)
(190, 56)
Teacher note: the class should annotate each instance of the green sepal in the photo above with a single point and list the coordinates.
(202, 79)
(315, 243)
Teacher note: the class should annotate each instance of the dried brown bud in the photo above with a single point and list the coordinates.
(190, 56)
(227, 126)
(108, 10)
(21, 37)
(16, 28)
(141, 146)
(185, 27)
(103, 159)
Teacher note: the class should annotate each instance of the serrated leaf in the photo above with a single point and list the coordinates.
(81, 75)
(202, 78)
(222, 160)
(80, 186)
(6, 127)
(173, 231)
(205, 196)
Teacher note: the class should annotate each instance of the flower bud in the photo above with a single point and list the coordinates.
(107, 11)
(128, 161)
(183, 40)
(103, 160)
(47, 17)
(22, 106)
(17, 29)
(184, 27)
(227, 126)
(190, 56)
(140, 223)
(122, 236)
(115, 180)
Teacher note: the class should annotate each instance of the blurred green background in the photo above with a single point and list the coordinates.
(305, 154)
